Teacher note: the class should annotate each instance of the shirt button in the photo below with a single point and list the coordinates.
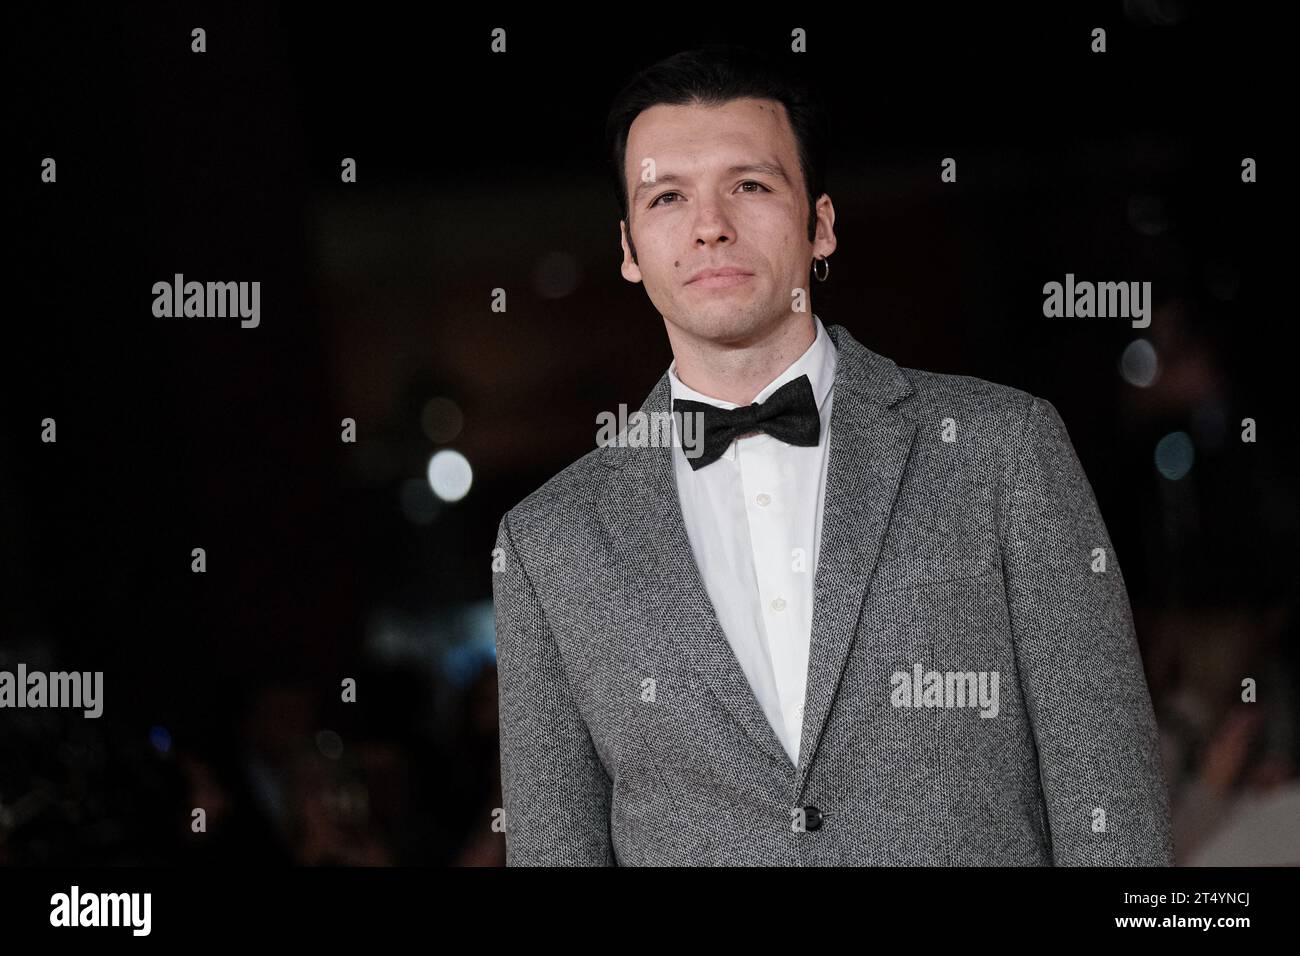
(778, 604)
(764, 500)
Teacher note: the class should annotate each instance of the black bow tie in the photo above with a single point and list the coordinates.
(790, 414)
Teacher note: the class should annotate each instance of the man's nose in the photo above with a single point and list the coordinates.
(713, 226)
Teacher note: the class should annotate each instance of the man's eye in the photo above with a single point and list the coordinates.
(748, 182)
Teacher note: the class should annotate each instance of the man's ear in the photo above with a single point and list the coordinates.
(631, 271)
(824, 242)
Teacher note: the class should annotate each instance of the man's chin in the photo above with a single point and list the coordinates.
(727, 329)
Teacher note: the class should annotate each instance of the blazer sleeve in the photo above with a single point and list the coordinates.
(555, 790)
(1079, 665)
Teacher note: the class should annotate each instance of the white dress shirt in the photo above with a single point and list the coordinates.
(754, 520)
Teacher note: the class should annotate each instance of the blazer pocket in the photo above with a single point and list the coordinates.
(936, 569)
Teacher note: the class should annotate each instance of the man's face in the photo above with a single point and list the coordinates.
(727, 192)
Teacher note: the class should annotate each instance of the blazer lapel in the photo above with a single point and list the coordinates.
(642, 514)
(870, 445)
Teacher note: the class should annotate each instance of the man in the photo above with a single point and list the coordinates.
(875, 619)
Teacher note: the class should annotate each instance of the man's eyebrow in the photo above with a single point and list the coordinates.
(768, 169)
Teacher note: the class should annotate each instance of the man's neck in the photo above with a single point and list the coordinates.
(738, 374)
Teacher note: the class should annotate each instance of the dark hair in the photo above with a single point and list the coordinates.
(710, 76)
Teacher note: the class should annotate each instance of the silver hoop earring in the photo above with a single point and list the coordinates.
(821, 277)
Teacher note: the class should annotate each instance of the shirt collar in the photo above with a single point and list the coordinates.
(818, 363)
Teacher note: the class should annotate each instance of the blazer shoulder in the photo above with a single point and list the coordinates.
(562, 503)
(942, 389)
(994, 415)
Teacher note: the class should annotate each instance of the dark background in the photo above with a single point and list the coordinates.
(479, 171)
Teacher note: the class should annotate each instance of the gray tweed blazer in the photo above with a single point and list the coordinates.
(961, 545)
